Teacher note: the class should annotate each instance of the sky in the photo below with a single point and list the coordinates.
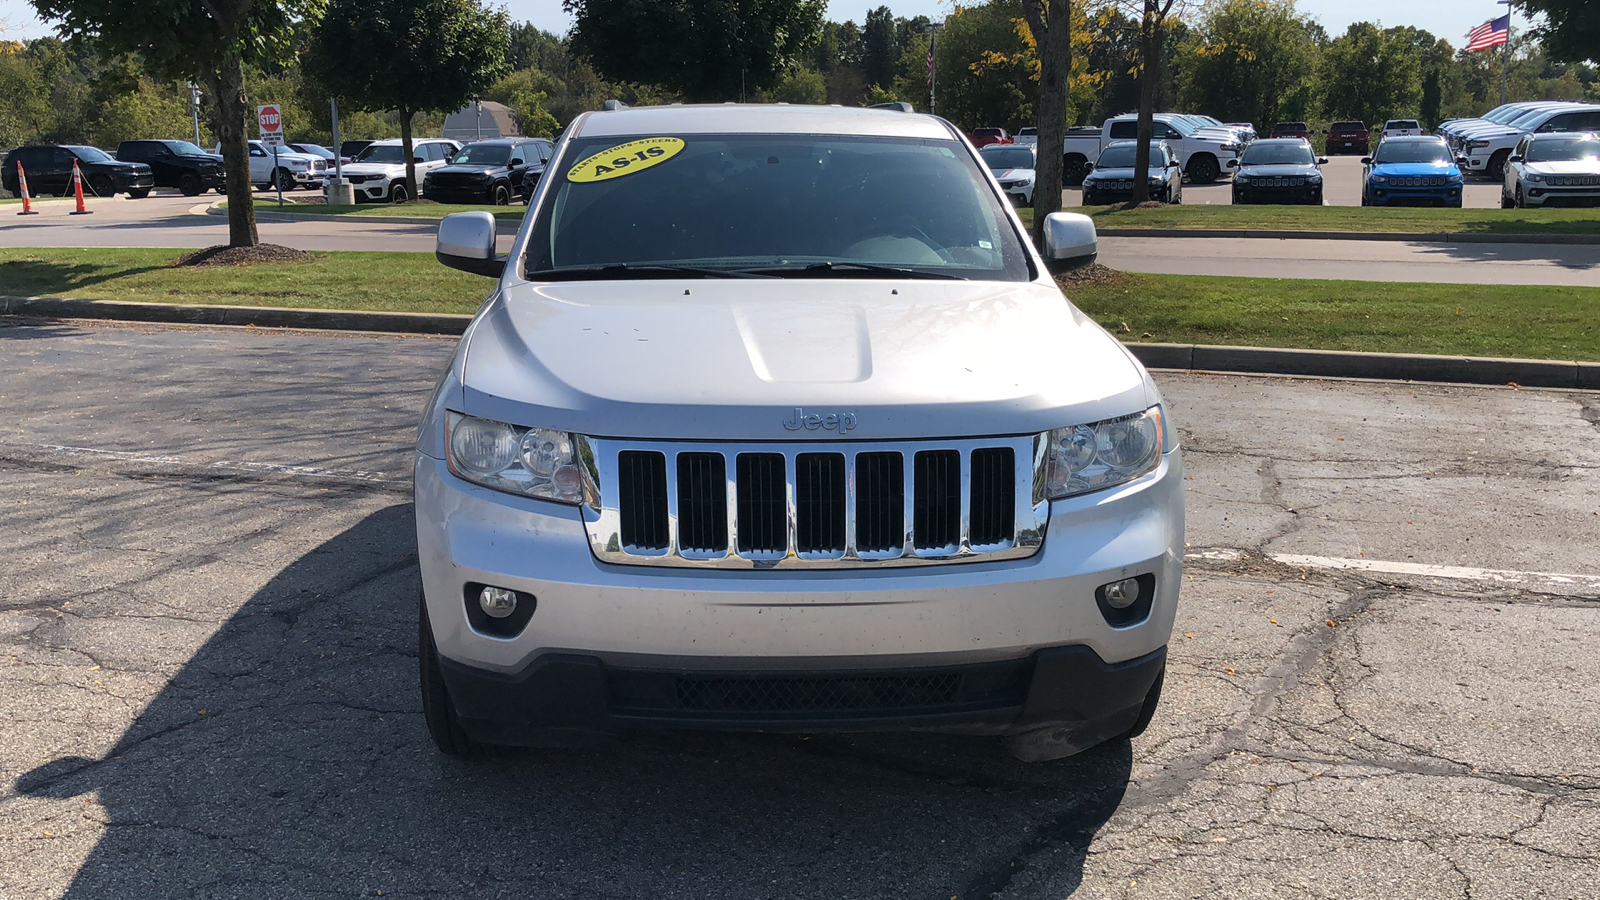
(1449, 19)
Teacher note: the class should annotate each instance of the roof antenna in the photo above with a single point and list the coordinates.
(612, 105)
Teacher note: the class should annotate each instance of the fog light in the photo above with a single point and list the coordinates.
(500, 602)
(1119, 594)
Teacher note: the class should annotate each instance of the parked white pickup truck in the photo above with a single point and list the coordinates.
(1203, 153)
(1401, 128)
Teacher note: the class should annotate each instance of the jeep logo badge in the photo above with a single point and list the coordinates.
(841, 422)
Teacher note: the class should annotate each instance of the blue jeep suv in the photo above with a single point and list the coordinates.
(1411, 171)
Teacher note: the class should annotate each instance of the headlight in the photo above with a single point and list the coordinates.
(534, 462)
(1240, 178)
(1379, 179)
(1476, 144)
(1536, 179)
(1084, 458)
(1314, 179)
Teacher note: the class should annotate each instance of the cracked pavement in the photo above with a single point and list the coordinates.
(208, 653)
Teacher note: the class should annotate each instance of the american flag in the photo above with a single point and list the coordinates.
(1490, 34)
(930, 62)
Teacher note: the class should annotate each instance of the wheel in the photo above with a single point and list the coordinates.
(223, 191)
(139, 194)
(1497, 165)
(1522, 200)
(398, 193)
(1203, 169)
(189, 184)
(1177, 198)
(284, 180)
(502, 195)
(444, 726)
(1505, 200)
(1072, 169)
(101, 186)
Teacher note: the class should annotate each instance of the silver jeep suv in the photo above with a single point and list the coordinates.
(775, 420)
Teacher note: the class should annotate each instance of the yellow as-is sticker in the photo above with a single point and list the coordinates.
(625, 159)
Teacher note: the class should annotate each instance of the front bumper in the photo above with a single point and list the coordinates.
(1305, 194)
(703, 623)
(371, 187)
(457, 194)
(1411, 196)
(129, 181)
(1546, 195)
(562, 694)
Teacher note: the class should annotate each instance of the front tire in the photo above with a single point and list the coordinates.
(189, 184)
(1497, 165)
(1522, 200)
(140, 194)
(398, 193)
(283, 180)
(102, 186)
(1203, 169)
(1073, 170)
(444, 725)
(502, 195)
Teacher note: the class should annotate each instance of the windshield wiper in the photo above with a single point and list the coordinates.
(848, 270)
(635, 270)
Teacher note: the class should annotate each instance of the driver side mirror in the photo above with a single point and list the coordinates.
(1514, 159)
(1322, 160)
(1069, 241)
(1366, 160)
(1233, 164)
(1088, 167)
(515, 161)
(466, 242)
(419, 159)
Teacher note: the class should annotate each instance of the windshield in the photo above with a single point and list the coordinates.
(1527, 117)
(91, 154)
(1570, 149)
(797, 205)
(1412, 152)
(1120, 156)
(1295, 154)
(483, 155)
(314, 150)
(184, 148)
(383, 153)
(998, 158)
(1403, 123)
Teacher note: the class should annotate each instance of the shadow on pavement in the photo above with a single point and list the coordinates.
(288, 758)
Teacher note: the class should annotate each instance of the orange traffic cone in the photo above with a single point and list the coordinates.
(22, 185)
(77, 191)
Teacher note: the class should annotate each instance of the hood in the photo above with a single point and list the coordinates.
(469, 169)
(1008, 174)
(1404, 170)
(374, 168)
(732, 359)
(1564, 167)
(1121, 173)
(1279, 171)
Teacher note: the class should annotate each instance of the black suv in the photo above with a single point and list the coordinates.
(497, 172)
(1278, 170)
(176, 164)
(49, 171)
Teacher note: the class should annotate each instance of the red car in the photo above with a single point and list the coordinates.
(983, 137)
(1351, 137)
(1291, 129)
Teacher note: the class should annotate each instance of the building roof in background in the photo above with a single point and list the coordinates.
(496, 121)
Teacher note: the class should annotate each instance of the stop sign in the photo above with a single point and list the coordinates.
(270, 118)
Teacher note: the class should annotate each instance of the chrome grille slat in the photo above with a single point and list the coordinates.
(839, 504)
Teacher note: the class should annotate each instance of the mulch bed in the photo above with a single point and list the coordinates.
(223, 255)
(1094, 273)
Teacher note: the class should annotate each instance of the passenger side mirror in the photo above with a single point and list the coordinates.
(466, 242)
(1088, 167)
(418, 159)
(1233, 164)
(1322, 160)
(515, 161)
(1069, 241)
(1514, 159)
(1366, 160)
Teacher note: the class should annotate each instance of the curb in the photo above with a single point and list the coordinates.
(1181, 357)
(1432, 237)
(267, 215)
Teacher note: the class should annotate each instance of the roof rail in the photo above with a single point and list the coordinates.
(896, 105)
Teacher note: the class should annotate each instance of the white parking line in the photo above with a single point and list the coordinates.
(1458, 573)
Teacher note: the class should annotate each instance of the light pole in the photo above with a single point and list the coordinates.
(933, 42)
(194, 110)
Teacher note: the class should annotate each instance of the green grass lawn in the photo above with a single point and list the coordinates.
(416, 208)
(1451, 319)
(1350, 218)
(1479, 320)
(392, 282)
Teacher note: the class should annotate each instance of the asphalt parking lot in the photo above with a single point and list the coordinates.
(1381, 681)
(1341, 187)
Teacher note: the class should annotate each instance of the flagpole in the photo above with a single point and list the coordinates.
(1505, 58)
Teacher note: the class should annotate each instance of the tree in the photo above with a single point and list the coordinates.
(880, 48)
(708, 50)
(409, 56)
(1153, 16)
(1373, 75)
(1249, 61)
(1050, 21)
(209, 42)
(1571, 29)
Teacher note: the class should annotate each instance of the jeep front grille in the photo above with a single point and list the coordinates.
(814, 505)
